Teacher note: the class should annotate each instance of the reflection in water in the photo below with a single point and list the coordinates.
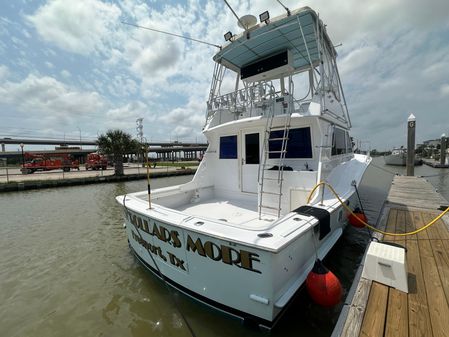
(66, 270)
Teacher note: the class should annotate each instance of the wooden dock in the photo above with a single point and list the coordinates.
(373, 309)
(434, 163)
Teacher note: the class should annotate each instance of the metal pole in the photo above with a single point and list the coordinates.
(23, 158)
(443, 147)
(148, 178)
(411, 128)
(81, 147)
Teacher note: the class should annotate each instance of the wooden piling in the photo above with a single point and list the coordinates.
(411, 127)
(443, 149)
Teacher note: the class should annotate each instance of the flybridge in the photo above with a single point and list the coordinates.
(282, 66)
(278, 41)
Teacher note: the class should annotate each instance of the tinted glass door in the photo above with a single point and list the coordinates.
(252, 148)
(250, 161)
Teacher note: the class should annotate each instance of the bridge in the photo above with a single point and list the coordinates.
(81, 142)
(163, 150)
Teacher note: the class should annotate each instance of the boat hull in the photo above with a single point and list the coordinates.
(242, 280)
(399, 160)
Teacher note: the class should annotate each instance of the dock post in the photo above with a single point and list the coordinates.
(443, 149)
(411, 128)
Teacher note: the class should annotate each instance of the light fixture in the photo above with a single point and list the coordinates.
(265, 17)
(228, 36)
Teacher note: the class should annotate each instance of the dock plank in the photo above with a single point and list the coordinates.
(414, 192)
(374, 319)
(437, 304)
(419, 222)
(391, 224)
(440, 251)
(444, 233)
(418, 311)
(357, 310)
(410, 226)
(432, 231)
(400, 224)
(397, 314)
(438, 228)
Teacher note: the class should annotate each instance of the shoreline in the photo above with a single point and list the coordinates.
(17, 186)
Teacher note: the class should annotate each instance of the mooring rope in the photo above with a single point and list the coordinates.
(325, 184)
(360, 203)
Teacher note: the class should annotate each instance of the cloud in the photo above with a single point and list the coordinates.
(186, 121)
(358, 58)
(129, 111)
(154, 60)
(4, 72)
(47, 98)
(393, 61)
(26, 34)
(65, 73)
(122, 86)
(81, 27)
(444, 90)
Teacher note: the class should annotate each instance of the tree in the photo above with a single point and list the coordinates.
(117, 143)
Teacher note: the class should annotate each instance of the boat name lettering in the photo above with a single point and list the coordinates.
(162, 233)
(156, 250)
(240, 258)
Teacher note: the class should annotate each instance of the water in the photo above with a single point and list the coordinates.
(66, 270)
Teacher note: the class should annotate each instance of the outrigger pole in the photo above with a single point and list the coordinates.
(171, 34)
(147, 152)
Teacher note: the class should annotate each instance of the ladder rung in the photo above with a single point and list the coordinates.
(276, 168)
(273, 193)
(282, 138)
(270, 207)
(282, 151)
(277, 128)
(267, 178)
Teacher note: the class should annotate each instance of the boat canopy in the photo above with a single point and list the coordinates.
(279, 35)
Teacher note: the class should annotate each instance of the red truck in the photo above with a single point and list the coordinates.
(47, 162)
(96, 161)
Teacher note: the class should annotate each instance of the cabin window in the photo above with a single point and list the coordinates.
(348, 143)
(228, 147)
(299, 144)
(338, 142)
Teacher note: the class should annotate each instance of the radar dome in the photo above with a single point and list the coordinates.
(247, 21)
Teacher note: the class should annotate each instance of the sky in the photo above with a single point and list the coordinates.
(72, 68)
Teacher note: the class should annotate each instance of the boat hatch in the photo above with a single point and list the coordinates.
(270, 40)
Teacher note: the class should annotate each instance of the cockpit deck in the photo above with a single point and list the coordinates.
(236, 212)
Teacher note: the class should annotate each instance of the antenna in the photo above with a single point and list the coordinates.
(172, 34)
(241, 24)
(286, 8)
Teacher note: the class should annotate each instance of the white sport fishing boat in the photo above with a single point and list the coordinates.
(398, 157)
(241, 235)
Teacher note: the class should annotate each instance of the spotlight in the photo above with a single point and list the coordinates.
(228, 36)
(265, 17)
